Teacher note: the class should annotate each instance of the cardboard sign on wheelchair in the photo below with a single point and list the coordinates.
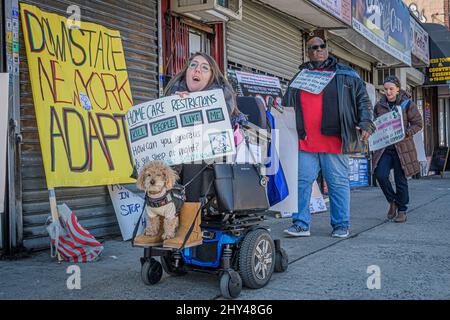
(179, 130)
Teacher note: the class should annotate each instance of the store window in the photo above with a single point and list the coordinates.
(365, 75)
(383, 73)
(198, 42)
(183, 37)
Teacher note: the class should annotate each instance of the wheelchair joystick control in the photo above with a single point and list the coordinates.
(263, 181)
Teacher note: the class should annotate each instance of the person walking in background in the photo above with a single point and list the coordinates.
(401, 156)
(330, 124)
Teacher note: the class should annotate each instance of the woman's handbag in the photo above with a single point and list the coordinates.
(240, 187)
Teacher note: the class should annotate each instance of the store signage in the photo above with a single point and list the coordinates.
(385, 23)
(81, 93)
(341, 9)
(179, 130)
(420, 41)
(438, 72)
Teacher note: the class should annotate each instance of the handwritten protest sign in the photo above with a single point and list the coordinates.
(128, 207)
(312, 81)
(266, 88)
(389, 130)
(81, 93)
(181, 130)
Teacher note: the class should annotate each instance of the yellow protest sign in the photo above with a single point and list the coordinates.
(81, 94)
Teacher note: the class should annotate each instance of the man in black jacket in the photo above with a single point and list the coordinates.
(333, 117)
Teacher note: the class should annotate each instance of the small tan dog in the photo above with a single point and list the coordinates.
(157, 180)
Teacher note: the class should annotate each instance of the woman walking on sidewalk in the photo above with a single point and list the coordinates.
(401, 156)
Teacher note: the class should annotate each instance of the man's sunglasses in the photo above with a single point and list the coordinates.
(317, 46)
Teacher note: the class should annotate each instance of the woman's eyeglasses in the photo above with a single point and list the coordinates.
(204, 67)
(317, 46)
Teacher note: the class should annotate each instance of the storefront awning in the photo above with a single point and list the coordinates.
(307, 12)
(336, 17)
(356, 40)
(438, 74)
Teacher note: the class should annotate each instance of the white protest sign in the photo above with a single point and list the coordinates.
(389, 130)
(316, 203)
(420, 146)
(128, 207)
(181, 130)
(312, 81)
(371, 92)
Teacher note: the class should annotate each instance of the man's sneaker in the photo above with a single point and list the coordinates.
(340, 232)
(297, 231)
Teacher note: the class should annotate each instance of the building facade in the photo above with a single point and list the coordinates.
(265, 37)
(28, 202)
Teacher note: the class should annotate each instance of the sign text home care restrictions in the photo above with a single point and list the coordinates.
(179, 130)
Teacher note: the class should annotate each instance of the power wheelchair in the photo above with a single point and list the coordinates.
(237, 245)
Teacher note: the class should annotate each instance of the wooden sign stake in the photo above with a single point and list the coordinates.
(55, 214)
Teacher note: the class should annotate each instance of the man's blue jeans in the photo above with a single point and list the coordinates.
(335, 171)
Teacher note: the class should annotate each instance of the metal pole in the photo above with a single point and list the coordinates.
(55, 214)
(14, 182)
(2, 69)
(160, 52)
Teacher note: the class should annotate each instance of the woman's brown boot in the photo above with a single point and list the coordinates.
(187, 215)
(392, 211)
(401, 217)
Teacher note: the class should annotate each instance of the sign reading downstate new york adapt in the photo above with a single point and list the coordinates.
(312, 81)
(390, 130)
(179, 130)
(81, 93)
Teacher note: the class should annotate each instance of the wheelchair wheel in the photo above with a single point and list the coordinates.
(151, 272)
(230, 284)
(257, 258)
(169, 267)
(281, 260)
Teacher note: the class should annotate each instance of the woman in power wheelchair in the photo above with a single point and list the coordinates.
(232, 202)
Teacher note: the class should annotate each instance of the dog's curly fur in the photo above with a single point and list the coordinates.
(155, 179)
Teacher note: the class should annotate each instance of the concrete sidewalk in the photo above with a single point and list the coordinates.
(414, 259)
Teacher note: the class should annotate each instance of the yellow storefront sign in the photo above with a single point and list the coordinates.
(81, 94)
